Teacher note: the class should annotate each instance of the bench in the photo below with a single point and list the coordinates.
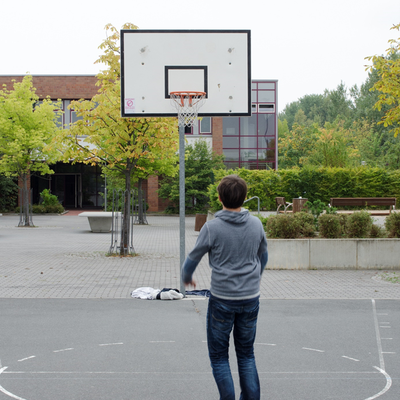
(99, 221)
(281, 202)
(365, 202)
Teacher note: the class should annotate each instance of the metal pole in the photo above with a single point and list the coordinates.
(105, 192)
(182, 202)
(258, 202)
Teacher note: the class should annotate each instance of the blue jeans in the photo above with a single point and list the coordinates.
(241, 315)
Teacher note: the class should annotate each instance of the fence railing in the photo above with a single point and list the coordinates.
(122, 222)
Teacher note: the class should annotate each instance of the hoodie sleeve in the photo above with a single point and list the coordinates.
(263, 251)
(192, 260)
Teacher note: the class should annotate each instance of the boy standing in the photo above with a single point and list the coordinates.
(237, 248)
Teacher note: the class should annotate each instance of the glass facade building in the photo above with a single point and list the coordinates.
(248, 142)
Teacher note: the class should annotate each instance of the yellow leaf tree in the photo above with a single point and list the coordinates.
(128, 148)
(27, 127)
(388, 69)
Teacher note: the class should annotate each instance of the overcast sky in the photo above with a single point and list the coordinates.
(308, 45)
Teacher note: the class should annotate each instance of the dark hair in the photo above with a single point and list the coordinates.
(232, 191)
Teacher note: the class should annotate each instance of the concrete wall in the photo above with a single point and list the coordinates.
(334, 254)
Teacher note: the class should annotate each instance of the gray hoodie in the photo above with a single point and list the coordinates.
(237, 252)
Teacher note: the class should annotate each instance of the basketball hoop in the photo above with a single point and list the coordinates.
(187, 104)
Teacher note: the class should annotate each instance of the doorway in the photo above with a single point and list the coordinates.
(68, 188)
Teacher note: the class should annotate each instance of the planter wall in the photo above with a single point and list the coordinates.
(333, 254)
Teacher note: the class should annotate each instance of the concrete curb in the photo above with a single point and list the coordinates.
(334, 254)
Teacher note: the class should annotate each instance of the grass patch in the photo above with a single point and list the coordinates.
(392, 277)
(121, 256)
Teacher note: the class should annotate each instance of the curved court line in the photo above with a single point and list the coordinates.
(386, 388)
(6, 392)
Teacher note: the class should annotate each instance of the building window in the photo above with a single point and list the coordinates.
(200, 127)
(248, 125)
(230, 126)
(60, 116)
(205, 125)
(250, 142)
(74, 117)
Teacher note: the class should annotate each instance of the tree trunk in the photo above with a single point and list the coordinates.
(140, 201)
(125, 230)
(25, 201)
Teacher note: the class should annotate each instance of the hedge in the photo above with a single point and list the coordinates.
(312, 183)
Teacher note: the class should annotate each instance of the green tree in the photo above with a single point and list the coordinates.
(364, 101)
(127, 148)
(27, 127)
(388, 69)
(8, 194)
(200, 162)
(333, 147)
(313, 107)
(338, 104)
(295, 146)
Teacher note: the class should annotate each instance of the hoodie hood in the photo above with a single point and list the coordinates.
(233, 217)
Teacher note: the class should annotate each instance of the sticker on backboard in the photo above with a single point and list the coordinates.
(129, 106)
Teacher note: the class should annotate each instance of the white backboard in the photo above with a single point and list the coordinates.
(157, 62)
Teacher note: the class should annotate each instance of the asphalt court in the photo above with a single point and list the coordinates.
(69, 329)
(142, 349)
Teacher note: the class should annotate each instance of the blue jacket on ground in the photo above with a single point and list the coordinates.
(237, 252)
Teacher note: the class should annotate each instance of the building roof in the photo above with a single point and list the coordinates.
(72, 87)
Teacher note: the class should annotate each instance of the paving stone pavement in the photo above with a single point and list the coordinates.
(61, 258)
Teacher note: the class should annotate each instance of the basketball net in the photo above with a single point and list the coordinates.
(187, 105)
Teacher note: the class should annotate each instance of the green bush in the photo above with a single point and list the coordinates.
(8, 194)
(38, 209)
(306, 223)
(263, 221)
(330, 226)
(359, 224)
(392, 224)
(50, 209)
(283, 226)
(286, 226)
(55, 209)
(377, 232)
(315, 207)
(48, 199)
(315, 184)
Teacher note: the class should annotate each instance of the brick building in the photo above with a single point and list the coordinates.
(246, 142)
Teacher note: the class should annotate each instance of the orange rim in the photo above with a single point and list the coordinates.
(190, 95)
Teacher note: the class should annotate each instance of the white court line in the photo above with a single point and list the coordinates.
(26, 358)
(266, 344)
(59, 351)
(349, 358)
(108, 372)
(110, 344)
(319, 351)
(378, 336)
(185, 372)
(162, 341)
(386, 388)
(6, 392)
